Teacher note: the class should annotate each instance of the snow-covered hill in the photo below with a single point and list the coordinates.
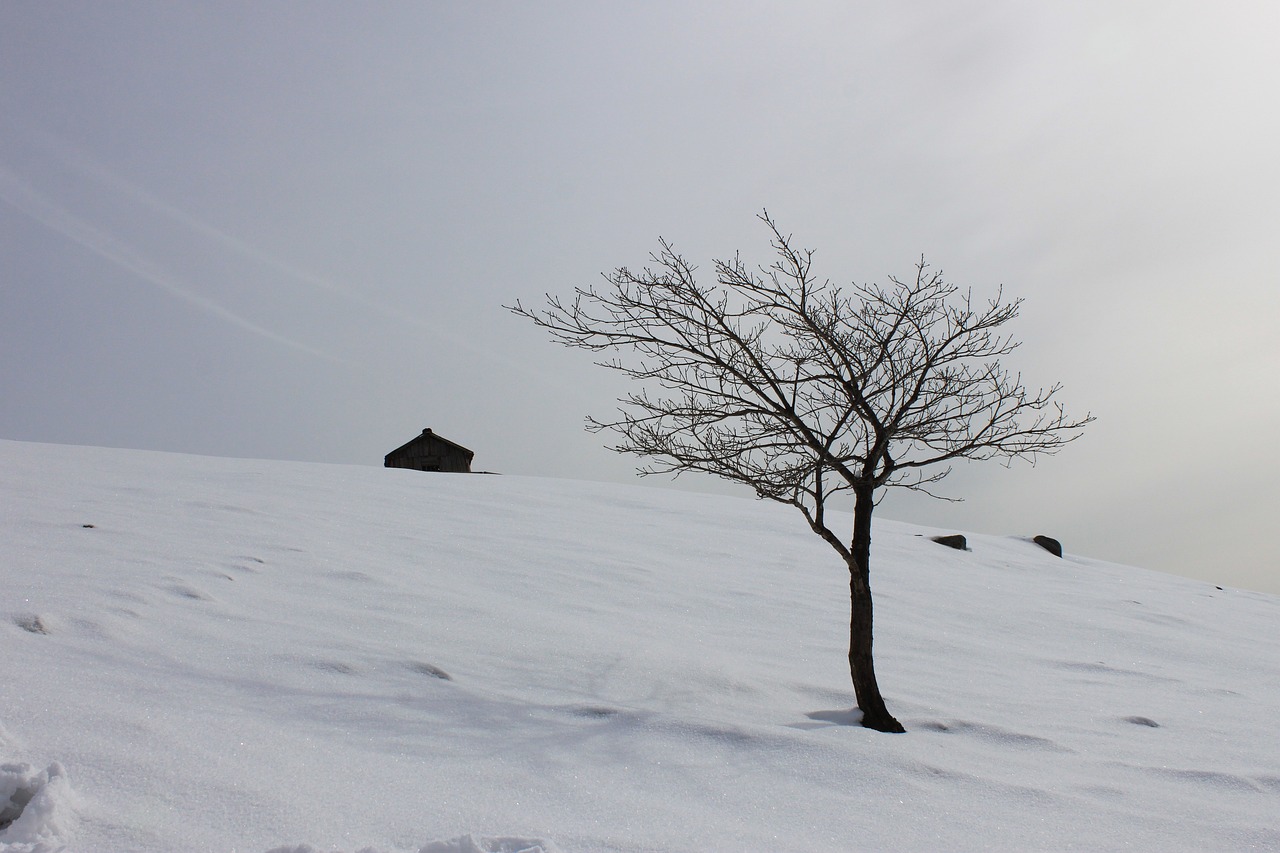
(214, 654)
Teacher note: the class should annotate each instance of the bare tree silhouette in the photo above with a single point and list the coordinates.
(802, 390)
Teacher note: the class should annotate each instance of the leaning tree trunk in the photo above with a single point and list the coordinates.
(861, 667)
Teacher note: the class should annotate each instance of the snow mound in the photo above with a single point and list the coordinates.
(36, 810)
(461, 844)
(307, 848)
(484, 844)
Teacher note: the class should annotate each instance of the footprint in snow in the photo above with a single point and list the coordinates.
(185, 591)
(423, 668)
(31, 623)
(995, 734)
(335, 666)
(352, 575)
(595, 712)
(1142, 721)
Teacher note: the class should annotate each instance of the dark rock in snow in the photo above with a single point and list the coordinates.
(1053, 546)
(955, 540)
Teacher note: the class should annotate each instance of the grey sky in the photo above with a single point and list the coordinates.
(285, 230)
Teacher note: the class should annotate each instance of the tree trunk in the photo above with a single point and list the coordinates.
(861, 667)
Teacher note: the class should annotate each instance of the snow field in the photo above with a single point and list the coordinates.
(266, 656)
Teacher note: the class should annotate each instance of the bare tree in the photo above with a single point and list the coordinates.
(804, 391)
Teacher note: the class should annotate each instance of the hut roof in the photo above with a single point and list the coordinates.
(429, 435)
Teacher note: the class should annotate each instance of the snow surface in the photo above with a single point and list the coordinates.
(232, 655)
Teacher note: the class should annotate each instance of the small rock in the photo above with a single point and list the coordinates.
(1053, 546)
(955, 540)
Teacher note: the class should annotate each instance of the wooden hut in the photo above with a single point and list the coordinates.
(430, 452)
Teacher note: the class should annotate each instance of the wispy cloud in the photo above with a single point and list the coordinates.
(25, 198)
(91, 168)
(85, 164)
